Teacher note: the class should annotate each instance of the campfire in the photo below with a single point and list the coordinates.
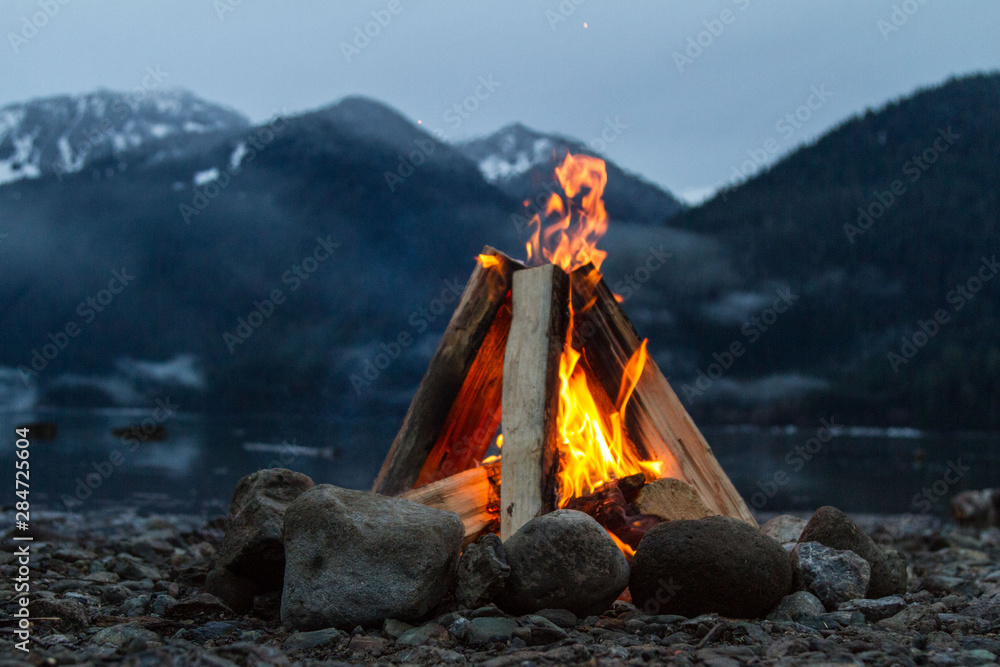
(542, 351)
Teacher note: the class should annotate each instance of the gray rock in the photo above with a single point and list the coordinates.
(487, 630)
(831, 527)
(916, 618)
(235, 590)
(565, 560)
(798, 605)
(136, 606)
(210, 630)
(564, 618)
(129, 567)
(69, 613)
(122, 634)
(716, 564)
(423, 634)
(115, 594)
(303, 641)
(160, 604)
(357, 558)
(541, 630)
(875, 610)
(482, 572)
(832, 575)
(394, 628)
(784, 528)
(253, 545)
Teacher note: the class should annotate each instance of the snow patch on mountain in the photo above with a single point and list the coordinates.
(62, 135)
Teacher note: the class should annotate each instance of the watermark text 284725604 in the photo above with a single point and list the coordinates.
(22, 519)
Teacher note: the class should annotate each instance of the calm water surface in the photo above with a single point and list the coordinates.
(196, 467)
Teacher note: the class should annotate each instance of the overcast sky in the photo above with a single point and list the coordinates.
(686, 116)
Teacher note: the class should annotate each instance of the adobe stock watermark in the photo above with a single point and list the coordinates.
(419, 321)
(30, 25)
(913, 169)
(122, 109)
(87, 311)
(795, 460)
(957, 298)
(565, 10)
(294, 277)
(696, 44)
(786, 127)
(103, 470)
(751, 330)
(203, 195)
(362, 37)
(932, 495)
(900, 16)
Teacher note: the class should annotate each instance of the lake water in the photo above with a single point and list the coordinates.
(198, 464)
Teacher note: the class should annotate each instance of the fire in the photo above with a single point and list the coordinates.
(570, 240)
(626, 549)
(592, 445)
(488, 261)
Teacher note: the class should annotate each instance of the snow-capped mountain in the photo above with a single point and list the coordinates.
(63, 134)
(520, 161)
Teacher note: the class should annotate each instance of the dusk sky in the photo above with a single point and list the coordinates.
(694, 89)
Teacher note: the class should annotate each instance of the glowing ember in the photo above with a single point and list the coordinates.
(569, 240)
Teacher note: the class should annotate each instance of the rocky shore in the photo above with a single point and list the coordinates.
(112, 587)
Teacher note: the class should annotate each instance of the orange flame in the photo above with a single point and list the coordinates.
(488, 261)
(570, 241)
(593, 447)
(626, 549)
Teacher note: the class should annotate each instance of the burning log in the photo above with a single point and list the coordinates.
(531, 393)
(458, 400)
(473, 495)
(657, 422)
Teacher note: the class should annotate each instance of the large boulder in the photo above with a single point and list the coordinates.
(357, 558)
(563, 560)
(716, 564)
(253, 545)
(832, 575)
(831, 527)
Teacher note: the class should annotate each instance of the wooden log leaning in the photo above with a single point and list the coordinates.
(655, 419)
(484, 295)
(531, 395)
(473, 495)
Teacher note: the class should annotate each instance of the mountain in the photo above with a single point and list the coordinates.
(888, 220)
(62, 135)
(521, 162)
(235, 267)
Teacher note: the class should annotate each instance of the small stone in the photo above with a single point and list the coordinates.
(115, 594)
(129, 567)
(253, 546)
(160, 604)
(197, 605)
(482, 572)
(373, 646)
(486, 630)
(303, 641)
(236, 591)
(102, 577)
(211, 630)
(136, 606)
(831, 527)
(119, 635)
(422, 635)
(564, 618)
(563, 559)
(798, 605)
(784, 528)
(358, 558)
(917, 618)
(395, 628)
(717, 564)
(832, 575)
(877, 609)
(68, 613)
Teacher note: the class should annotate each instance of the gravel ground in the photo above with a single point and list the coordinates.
(113, 587)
